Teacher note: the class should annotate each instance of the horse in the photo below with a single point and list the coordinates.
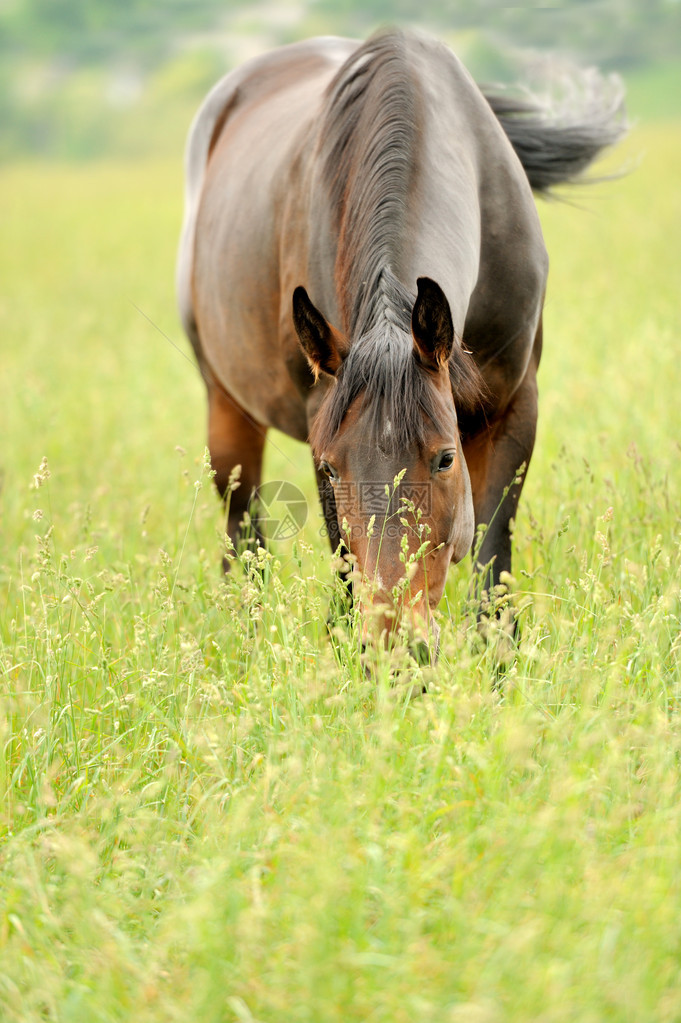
(362, 267)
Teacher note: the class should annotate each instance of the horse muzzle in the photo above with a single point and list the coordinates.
(383, 624)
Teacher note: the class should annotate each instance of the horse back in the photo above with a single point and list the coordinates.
(247, 94)
(240, 159)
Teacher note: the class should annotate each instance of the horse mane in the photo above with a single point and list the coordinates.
(369, 138)
(369, 134)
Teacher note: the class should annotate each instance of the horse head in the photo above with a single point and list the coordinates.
(386, 437)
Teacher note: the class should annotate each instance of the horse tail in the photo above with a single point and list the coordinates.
(556, 143)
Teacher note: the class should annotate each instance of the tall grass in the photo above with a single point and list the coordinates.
(210, 811)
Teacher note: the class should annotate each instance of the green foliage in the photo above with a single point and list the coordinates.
(616, 33)
(654, 94)
(209, 809)
(84, 78)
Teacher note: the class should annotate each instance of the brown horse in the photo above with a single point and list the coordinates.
(330, 185)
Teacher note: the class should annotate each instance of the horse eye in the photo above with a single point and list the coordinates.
(328, 471)
(445, 461)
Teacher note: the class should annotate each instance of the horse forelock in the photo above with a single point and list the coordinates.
(399, 402)
(382, 374)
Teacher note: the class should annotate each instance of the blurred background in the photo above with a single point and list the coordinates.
(82, 79)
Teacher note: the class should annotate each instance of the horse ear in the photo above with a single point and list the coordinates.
(324, 346)
(431, 324)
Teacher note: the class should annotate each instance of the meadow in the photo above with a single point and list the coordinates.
(208, 810)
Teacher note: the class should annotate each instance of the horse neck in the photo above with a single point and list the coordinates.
(429, 227)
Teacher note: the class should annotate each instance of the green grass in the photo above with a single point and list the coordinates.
(209, 812)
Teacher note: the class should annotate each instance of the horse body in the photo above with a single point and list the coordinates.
(341, 173)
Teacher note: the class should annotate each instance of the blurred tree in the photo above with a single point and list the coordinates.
(72, 70)
(613, 32)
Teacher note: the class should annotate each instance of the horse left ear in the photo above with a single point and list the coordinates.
(431, 324)
(324, 346)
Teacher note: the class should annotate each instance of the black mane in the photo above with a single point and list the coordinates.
(369, 135)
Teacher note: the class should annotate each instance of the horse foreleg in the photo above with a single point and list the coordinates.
(497, 459)
(344, 602)
(235, 439)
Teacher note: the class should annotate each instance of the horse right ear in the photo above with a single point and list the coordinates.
(431, 324)
(324, 346)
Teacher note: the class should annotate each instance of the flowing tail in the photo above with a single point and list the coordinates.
(556, 143)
